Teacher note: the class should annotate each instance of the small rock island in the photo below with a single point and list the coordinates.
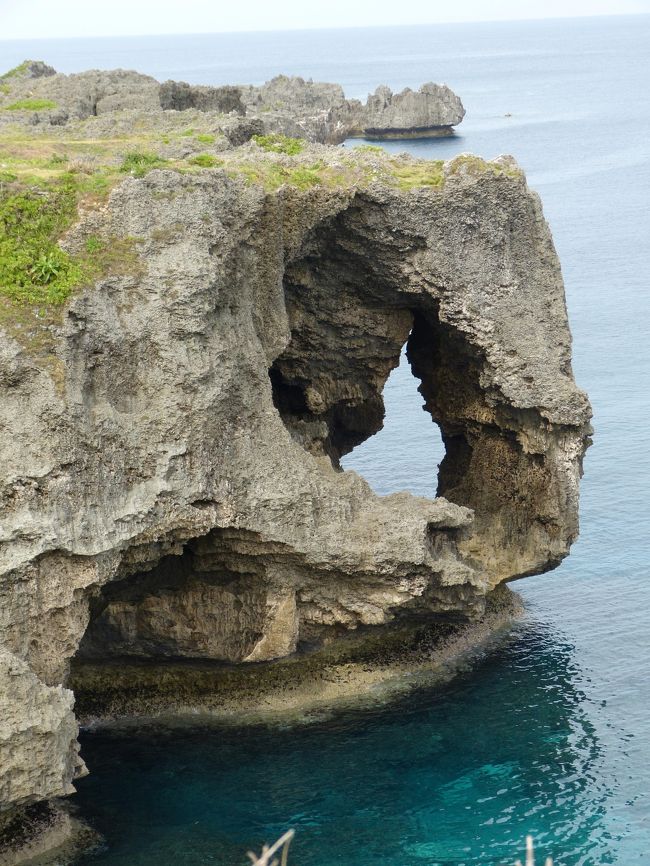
(201, 300)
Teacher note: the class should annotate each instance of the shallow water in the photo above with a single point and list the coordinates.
(550, 733)
(455, 774)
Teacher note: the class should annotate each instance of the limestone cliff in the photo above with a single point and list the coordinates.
(170, 444)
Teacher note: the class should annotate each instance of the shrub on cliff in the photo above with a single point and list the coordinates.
(205, 160)
(138, 163)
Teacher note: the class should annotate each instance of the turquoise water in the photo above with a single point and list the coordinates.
(454, 775)
(550, 732)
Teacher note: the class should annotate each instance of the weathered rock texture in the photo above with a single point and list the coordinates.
(38, 754)
(170, 480)
(411, 113)
(289, 105)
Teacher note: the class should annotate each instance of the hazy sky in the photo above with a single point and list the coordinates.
(29, 19)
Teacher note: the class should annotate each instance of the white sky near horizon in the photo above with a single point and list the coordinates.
(34, 19)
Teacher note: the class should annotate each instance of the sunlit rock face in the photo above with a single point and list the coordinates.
(171, 479)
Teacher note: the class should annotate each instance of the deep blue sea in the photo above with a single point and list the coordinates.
(550, 732)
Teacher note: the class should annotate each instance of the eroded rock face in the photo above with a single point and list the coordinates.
(179, 96)
(38, 751)
(170, 481)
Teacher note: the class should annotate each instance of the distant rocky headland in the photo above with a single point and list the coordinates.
(292, 106)
(201, 300)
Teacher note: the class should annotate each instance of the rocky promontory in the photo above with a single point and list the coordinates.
(198, 320)
(289, 105)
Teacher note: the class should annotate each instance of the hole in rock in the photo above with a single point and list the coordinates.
(339, 385)
(406, 452)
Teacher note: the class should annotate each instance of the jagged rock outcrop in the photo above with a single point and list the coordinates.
(179, 96)
(289, 105)
(411, 113)
(170, 478)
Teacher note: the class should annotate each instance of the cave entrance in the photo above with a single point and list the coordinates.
(214, 598)
(405, 454)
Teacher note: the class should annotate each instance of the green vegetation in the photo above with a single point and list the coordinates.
(33, 268)
(370, 148)
(273, 175)
(94, 245)
(306, 176)
(31, 105)
(409, 174)
(205, 160)
(469, 164)
(277, 143)
(44, 178)
(205, 138)
(139, 162)
(17, 70)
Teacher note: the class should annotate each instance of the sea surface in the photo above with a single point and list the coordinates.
(549, 733)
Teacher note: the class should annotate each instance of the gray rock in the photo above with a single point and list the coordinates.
(38, 752)
(321, 112)
(433, 108)
(88, 94)
(179, 96)
(32, 69)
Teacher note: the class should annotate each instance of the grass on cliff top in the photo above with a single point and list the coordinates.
(138, 163)
(37, 275)
(278, 143)
(33, 268)
(34, 214)
(41, 187)
(275, 161)
(272, 176)
(414, 175)
(205, 160)
(30, 105)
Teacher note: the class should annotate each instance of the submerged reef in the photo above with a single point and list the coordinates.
(199, 315)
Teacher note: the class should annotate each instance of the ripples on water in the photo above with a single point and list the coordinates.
(458, 774)
(550, 733)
